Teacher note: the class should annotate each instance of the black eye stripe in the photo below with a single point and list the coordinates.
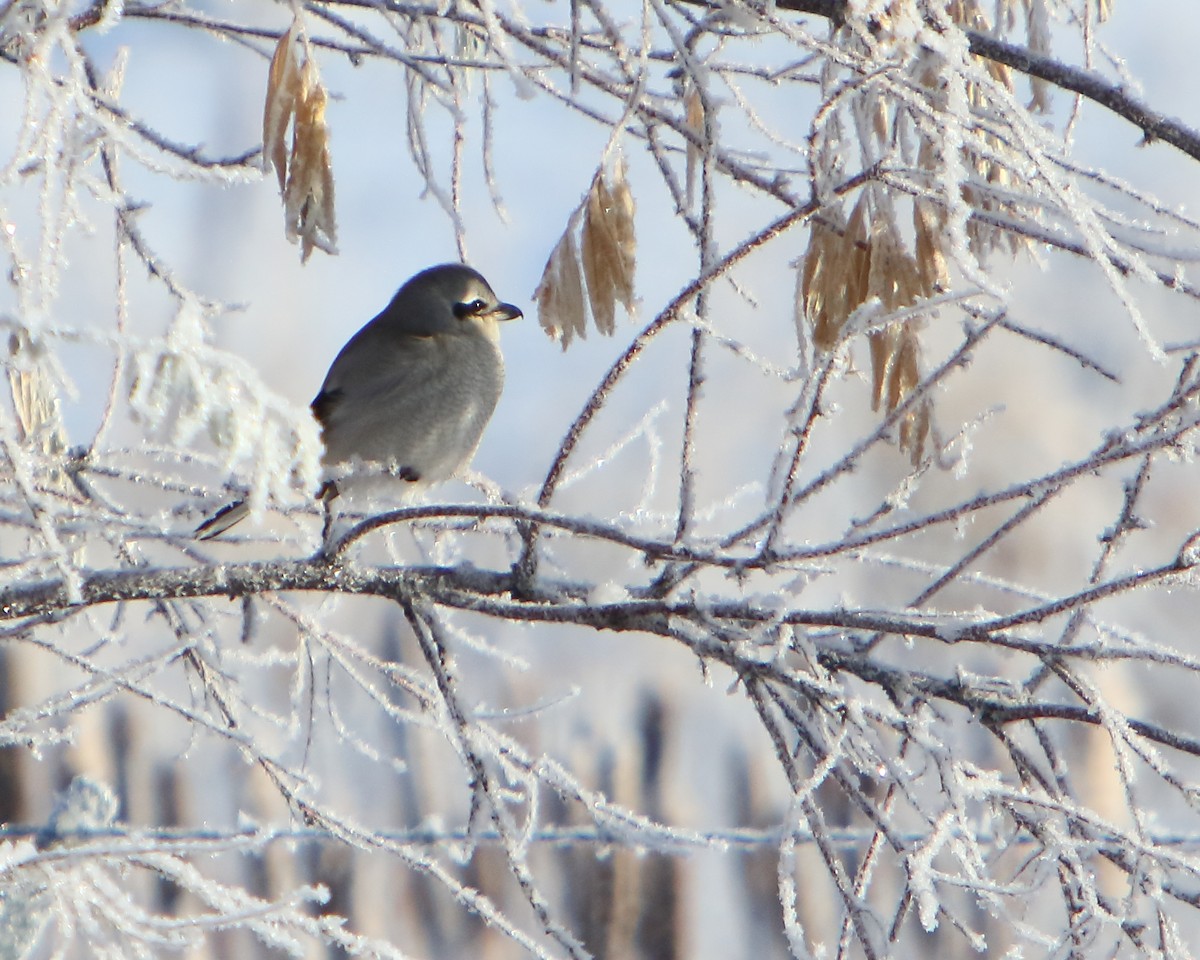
(469, 309)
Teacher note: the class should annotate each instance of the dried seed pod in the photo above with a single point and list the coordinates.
(608, 249)
(607, 261)
(834, 280)
(560, 299)
(620, 218)
(309, 197)
(283, 90)
(929, 222)
(296, 97)
(898, 280)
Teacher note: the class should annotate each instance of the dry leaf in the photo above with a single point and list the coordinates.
(620, 217)
(895, 373)
(898, 280)
(880, 112)
(844, 269)
(893, 276)
(883, 345)
(982, 236)
(929, 222)
(915, 429)
(37, 410)
(599, 266)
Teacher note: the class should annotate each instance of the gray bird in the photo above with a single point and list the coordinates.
(414, 388)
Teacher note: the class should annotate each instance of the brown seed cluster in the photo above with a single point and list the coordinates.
(862, 258)
(863, 261)
(596, 271)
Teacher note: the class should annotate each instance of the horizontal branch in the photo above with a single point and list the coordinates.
(495, 594)
(236, 580)
(466, 588)
(491, 593)
(121, 839)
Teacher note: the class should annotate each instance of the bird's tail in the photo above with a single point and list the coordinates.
(222, 520)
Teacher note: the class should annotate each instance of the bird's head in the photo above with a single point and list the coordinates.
(449, 299)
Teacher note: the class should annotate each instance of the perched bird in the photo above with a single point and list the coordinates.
(413, 390)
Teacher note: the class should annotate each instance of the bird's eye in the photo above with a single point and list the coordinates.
(469, 309)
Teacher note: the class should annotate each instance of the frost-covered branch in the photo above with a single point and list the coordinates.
(864, 569)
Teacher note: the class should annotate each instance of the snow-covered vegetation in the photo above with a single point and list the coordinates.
(832, 595)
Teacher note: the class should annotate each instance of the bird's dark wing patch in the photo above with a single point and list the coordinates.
(323, 405)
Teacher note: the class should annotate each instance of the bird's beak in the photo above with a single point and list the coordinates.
(505, 311)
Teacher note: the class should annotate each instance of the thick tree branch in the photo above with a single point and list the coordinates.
(1090, 85)
(495, 594)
